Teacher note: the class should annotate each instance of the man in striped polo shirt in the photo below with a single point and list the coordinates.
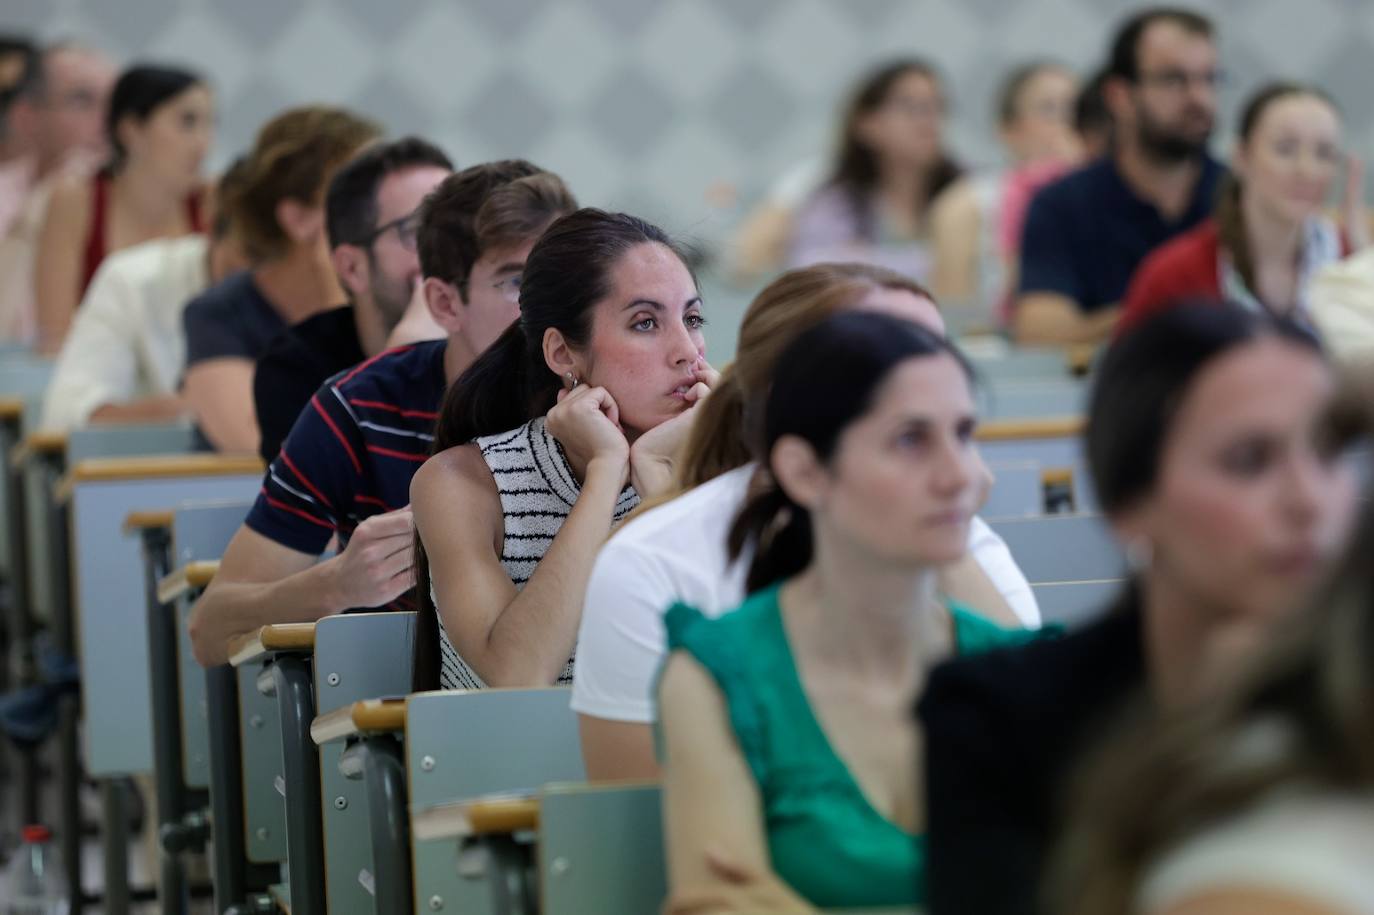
(345, 469)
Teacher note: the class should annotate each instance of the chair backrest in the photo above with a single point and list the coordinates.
(200, 531)
(1017, 490)
(466, 744)
(1018, 399)
(1074, 603)
(601, 850)
(110, 603)
(131, 441)
(1062, 547)
(361, 656)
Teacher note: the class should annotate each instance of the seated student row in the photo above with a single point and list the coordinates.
(554, 651)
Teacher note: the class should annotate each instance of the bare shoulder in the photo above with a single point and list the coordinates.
(70, 200)
(957, 203)
(687, 689)
(458, 469)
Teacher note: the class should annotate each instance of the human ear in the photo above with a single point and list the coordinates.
(444, 304)
(798, 471)
(561, 358)
(301, 222)
(350, 266)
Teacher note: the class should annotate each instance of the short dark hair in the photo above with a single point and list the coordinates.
(1124, 59)
(1090, 113)
(350, 203)
(483, 207)
(230, 183)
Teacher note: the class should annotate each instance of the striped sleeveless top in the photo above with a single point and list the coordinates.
(538, 489)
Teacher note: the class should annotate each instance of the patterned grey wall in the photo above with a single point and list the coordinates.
(665, 107)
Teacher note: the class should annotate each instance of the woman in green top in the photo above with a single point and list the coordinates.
(791, 755)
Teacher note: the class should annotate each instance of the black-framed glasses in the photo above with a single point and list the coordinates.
(406, 228)
(1180, 80)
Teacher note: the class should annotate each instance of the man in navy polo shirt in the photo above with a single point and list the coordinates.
(1086, 233)
(345, 468)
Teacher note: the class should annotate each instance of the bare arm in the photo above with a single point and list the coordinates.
(712, 810)
(617, 750)
(1052, 319)
(220, 393)
(57, 267)
(261, 582)
(955, 226)
(161, 409)
(509, 638)
(1241, 901)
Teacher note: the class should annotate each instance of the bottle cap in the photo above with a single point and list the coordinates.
(34, 834)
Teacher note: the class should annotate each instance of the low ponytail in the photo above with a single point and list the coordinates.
(780, 529)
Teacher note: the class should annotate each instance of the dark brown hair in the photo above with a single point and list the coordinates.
(1229, 216)
(856, 165)
(483, 207)
(567, 272)
(293, 158)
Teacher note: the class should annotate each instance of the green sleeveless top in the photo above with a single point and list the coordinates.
(824, 838)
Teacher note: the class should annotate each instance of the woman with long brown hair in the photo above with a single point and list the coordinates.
(1262, 800)
(890, 165)
(1268, 236)
(676, 550)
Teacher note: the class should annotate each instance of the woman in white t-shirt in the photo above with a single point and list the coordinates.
(676, 551)
(1262, 801)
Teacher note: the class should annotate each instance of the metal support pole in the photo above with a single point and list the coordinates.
(301, 773)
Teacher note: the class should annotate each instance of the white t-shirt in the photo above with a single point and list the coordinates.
(1315, 846)
(126, 341)
(677, 552)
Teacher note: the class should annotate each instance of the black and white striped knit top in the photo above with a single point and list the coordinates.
(538, 489)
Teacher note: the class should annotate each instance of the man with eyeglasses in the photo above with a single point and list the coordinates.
(371, 216)
(1086, 233)
(345, 468)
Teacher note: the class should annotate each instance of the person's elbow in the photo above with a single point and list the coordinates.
(209, 646)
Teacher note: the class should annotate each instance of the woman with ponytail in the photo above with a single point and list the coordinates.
(789, 748)
(1268, 236)
(676, 551)
(545, 442)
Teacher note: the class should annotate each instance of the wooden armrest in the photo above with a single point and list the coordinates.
(158, 467)
(493, 815)
(268, 639)
(137, 522)
(190, 577)
(1079, 358)
(1057, 476)
(1018, 429)
(39, 444)
(11, 408)
(370, 716)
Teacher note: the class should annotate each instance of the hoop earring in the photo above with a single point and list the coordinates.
(573, 382)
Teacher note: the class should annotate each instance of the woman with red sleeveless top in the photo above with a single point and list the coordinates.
(160, 125)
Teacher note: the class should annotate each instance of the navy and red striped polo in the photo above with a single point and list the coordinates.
(353, 450)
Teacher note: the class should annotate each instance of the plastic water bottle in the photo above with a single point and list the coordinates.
(36, 881)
